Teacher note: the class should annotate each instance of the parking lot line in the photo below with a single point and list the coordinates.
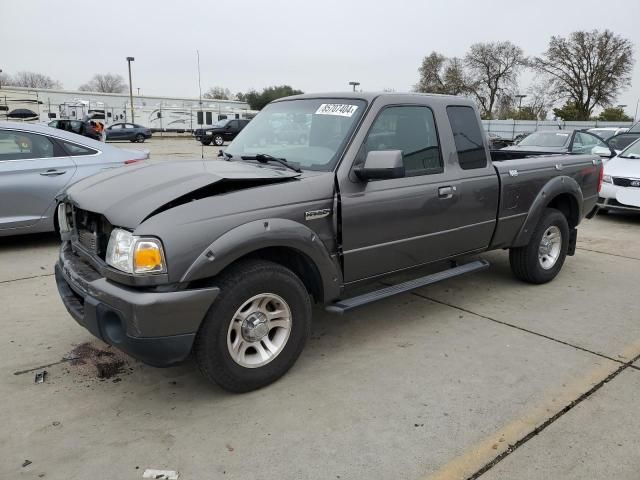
(488, 452)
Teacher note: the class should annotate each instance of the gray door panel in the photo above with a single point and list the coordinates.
(390, 225)
(28, 188)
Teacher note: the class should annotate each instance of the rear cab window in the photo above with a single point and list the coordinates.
(467, 136)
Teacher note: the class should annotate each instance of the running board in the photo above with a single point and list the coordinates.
(342, 306)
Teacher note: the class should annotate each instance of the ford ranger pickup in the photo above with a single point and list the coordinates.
(224, 258)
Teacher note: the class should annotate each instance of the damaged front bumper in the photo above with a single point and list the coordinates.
(155, 326)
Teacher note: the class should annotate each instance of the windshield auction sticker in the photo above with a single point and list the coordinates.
(339, 109)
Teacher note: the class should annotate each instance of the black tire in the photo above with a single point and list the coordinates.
(218, 140)
(140, 138)
(242, 282)
(525, 262)
(206, 141)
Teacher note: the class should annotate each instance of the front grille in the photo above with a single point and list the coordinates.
(88, 240)
(626, 182)
(91, 231)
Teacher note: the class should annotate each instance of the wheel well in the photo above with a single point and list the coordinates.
(294, 260)
(568, 205)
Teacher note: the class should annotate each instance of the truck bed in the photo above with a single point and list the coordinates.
(530, 179)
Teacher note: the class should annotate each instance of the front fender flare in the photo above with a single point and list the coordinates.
(554, 187)
(260, 234)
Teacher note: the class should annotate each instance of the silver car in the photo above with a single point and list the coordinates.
(37, 163)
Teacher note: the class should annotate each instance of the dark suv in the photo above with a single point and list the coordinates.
(224, 131)
(80, 127)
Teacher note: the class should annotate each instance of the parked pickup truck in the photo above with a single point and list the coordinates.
(225, 258)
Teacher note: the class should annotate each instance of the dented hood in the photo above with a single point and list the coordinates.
(126, 196)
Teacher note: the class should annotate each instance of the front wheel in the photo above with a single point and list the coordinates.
(256, 328)
(541, 260)
(206, 141)
(218, 140)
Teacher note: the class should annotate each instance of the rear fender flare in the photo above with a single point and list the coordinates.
(554, 187)
(260, 234)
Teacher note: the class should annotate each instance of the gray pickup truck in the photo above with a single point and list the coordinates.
(224, 258)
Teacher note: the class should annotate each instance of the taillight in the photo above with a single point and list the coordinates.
(600, 176)
(135, 160)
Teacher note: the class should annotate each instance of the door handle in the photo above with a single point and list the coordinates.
(445, 192)
(53, 173)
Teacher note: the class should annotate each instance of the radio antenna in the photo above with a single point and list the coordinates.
(200, 103)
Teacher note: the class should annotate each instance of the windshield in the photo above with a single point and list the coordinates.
(546, 139)
(309, 133)
(632, 151)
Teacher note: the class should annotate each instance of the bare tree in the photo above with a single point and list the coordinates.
(31, 80)
(219, 93)
(540, 99)
(105, 83)
(439, 74)
(493, 68)
(587, 69)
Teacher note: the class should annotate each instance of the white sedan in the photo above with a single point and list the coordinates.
(621, 182)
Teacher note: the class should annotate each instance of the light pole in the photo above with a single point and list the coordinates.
(635, 115)
(354, 85)
(129, 60)
(520, 97)
(0, 78)
(138, 91)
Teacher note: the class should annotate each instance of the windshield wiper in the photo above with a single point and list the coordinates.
(266, 158)
(635, 156)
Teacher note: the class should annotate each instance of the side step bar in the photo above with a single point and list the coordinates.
(342, 306)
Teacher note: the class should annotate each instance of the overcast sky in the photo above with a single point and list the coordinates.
(311, 45)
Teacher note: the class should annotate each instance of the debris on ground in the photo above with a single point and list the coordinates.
(40, 376)
(160, 474)
(102, 362)
(26, 463)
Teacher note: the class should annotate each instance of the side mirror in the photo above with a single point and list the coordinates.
(603, 152)
(383, 164)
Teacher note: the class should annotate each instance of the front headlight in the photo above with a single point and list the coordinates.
(133, 254)
(607, 179)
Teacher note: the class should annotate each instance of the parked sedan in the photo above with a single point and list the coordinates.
(621, 182)
(606, 133)
(563, 141)
(37, 163)
(128, 131)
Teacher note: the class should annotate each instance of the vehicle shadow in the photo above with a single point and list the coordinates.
(34, 240)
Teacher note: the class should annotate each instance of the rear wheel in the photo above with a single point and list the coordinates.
(218, 140)
(140, 138)
(542, 259)
(256, 328)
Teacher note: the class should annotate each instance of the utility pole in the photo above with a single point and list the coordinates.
(0, 78)
(129, 60)
(354, 85)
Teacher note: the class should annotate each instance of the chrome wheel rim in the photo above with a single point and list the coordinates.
(550, 246)
(259, 330)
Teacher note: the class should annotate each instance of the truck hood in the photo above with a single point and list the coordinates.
(128, 195)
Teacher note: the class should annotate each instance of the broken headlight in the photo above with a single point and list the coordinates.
(132, 254)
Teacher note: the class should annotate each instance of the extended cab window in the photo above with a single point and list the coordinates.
(411, 129)
(468, 137)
